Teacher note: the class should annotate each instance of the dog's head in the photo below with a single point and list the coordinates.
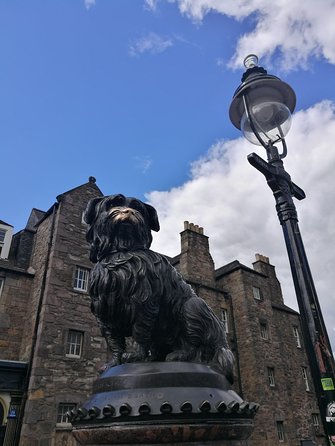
(119, 223)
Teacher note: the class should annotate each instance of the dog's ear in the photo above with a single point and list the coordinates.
(90, 212)
(94, 251)
(153, 217)
(90, 215)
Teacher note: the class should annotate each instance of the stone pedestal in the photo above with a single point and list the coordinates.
(163, 403)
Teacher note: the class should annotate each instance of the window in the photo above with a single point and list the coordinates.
(280, 431)
(63, 408)
(6, 233)
(74, 344)
(224, 317)
(315, 420)
(81, 279)
(264, 331)
(297, 337)
(2, 235)
(256, 292)
(271, 376)
(305, 377)
(2, 238)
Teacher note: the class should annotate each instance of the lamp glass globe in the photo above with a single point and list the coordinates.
(271, 119)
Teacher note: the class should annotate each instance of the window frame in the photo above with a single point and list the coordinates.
(316, 421)
(61, 413)
(280, 431)
(264, 331)
(305, 378)
(296, 336)
(271, 377)
(77, 280)
(256, 292)
(4, 232)
(225, 319)
(69, 346)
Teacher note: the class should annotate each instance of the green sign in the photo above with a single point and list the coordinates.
(327, 384)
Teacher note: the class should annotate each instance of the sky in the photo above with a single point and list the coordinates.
(136, 93)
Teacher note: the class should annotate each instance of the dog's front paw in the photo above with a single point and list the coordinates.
(109, 364)
(138, 353)
(179, 355)
(134, 357)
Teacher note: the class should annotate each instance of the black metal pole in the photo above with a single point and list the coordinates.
(314, 330)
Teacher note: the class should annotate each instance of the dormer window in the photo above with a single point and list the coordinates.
(6, 234)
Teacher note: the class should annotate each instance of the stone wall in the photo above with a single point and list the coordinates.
(14, 302)
(39, 264)
(21, 248)
(55, 377)
(286, 401)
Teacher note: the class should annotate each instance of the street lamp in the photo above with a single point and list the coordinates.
(261, 108)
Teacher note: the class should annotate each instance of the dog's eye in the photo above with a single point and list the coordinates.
(135, 205)
(118, 200)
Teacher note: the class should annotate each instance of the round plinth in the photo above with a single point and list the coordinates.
(161, 403)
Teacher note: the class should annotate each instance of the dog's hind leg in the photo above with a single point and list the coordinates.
(186, 352)
(206, 332)
(116, 346)
(203, 335)
(191, 343)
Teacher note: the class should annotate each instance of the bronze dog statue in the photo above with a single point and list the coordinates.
(136, 292)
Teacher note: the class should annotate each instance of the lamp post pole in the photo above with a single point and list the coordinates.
(257, 108)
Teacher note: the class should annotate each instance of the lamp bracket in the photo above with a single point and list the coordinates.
(275, 175)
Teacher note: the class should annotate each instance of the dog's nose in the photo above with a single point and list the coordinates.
(126, 211)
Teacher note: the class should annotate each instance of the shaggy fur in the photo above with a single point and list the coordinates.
(137, 292)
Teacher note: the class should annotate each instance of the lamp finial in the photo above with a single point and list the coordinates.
(250, 61)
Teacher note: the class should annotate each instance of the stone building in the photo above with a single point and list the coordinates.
(51, 348)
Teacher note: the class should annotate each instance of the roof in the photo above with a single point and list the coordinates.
(285, 308)
(234, 266)
(35, 217)
(6, 224)
(174, 260)
(91, 182)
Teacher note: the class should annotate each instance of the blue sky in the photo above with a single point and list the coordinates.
(78, 95)
(136, 93)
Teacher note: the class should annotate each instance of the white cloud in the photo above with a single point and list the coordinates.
(151, 43)
(89, 3)
(232, 201)
(295, 29)
(151, 5)
(143, 163)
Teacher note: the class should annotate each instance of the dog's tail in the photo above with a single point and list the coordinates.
(224, 361)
